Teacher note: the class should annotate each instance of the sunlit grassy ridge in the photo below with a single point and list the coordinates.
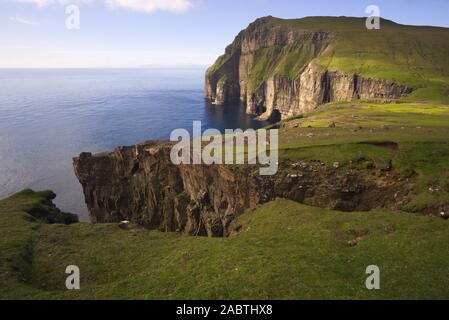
(369, 114)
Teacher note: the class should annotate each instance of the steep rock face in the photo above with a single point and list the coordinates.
(315, 87)
(141, 184)
(258, 75)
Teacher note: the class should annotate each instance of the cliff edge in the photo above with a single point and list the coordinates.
(140, 183)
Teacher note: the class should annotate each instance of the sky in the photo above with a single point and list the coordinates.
(138, 33)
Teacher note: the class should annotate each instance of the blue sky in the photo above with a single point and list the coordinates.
(132, 33)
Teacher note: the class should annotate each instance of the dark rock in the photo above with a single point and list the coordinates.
(47, 211)
(124, 225)
(444, 212)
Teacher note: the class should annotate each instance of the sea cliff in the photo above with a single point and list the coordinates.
(275, 70)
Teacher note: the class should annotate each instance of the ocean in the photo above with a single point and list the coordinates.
(47, 117)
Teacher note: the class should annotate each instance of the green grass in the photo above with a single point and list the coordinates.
(356, 114)
(411, 55)
(18, 237)
(343, 153)
(220, 62)
(431, 161)
(286, 251)
(430, 94)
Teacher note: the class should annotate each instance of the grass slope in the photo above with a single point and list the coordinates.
(287, 251)
(420, 132)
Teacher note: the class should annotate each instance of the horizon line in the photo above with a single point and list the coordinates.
(113, 67)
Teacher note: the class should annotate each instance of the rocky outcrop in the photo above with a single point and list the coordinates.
(258, 75)
(45, 210)
(140, 184)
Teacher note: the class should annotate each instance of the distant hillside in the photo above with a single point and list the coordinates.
(287, 67)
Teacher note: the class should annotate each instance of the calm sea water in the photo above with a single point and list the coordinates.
(47, 117)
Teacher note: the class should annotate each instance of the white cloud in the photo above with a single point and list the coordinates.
(148, 6)
(23, 20)
(43, 3)
(151, 6)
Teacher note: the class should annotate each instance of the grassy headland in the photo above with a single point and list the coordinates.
(414, 56)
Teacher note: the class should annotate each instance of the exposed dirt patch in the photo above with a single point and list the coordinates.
(393, 146)
(390, 145)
